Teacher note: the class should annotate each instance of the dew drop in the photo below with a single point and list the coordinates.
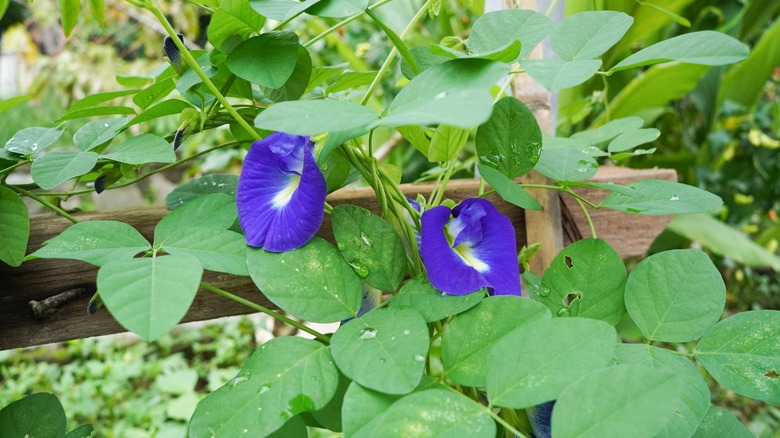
(245, 430)
(335, 295)
(564, 312)
(360, 269)
(368, 333)
(366, 213)
(674, 198)
(341, 246)
(407, 332)
(324, 167)
(105, 125)
(440, 96)
(365, 239)
(582, 170)
(278, 375)
(419, 358)
(545, 292)
(263, 389)
(237, 381)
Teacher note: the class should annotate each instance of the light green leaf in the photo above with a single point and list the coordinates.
(311, 117)
(705, 48)
(723, 240)
(285, 377)
(211, 212)
(446, 143)
(232, 23)
(14, 227)
(472, 334)
(312, 282)
(720, 422)
(631, 139)
(298, 81)
(95, 242)
(151, 94)
(742, 353)
(510, 141)
(267, 60)
(675, 296)
(55, 168)
(205, 185)
(363, 408)
(69, 13)
(587, 35)
(508, 190)
(31, 140)
(370, 245)
(418, 136)
(586, 279)
(655, 197)
(145, 148)
(12, 101)
(455, 93)
(525, 368)
(162, 109)
(97, 111)
(98, 132)
(217, 250)
(495, 30)
(98, 9)
(149, 295)
(743, 83)
(351, 80)
(37, 415)
(609, 130)
(338, 8)
(281, 10)
(94, 99)
(555, 74)
(622, 400)
(384, 350)
(431, 303)
(566, 165)
(695, 393)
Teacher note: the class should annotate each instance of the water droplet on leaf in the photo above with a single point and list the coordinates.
(368, 333)
(564, 312)
(360, 269)
(365, 239)
(263, 389)
(237, 381)
(545, 292)
(419, 357)
(407, 332)
(674, 198)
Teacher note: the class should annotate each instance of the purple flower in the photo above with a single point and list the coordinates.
(281, 193)
(470, 247)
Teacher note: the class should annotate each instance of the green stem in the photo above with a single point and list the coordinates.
(504, 423)
(397, 42)
(269, 312)
(44, 202)
(447, 174)
(342, 23)
(225, 89)
(7, 171)
(190, 60)
(551, 8)
(587, 217)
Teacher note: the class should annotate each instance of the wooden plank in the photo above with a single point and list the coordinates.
(43, 278)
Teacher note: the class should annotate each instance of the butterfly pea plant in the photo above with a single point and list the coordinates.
(439, 334)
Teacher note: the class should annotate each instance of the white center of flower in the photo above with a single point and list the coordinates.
(283, 197)
(465, 252)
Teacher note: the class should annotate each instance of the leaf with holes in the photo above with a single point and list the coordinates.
(654, 197)
(510, 141)
(586, 279)
(471, 335)
(94, 242)
(285, 377)
(533, 364)
(385, 349)
(675, 296)
(14, 227)
(149, 296)
(742, 353)
(312, 282)
(55, 168)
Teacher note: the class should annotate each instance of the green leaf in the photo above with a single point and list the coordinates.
(267, 60)
(11, 102)
(370, 245)
(83, 431)
(351, 80)
(330, 416)
(149, 296)
(145, 148)
(587, 35)
(631, 139)
(217, 250)
(675, 296)
(425, 60)
(205, 185)
(281, 10)
(94, 99)
(37, 415)
(436, 412)
(211, 212)
(384, 350)
(55, 168)
(98, 132)
(312, 282)
(720, 422)
(162, 109)
(95, 242)
(311, 117)
(97, 111)
(455, 93)
(472, 334)
(69, 13)
(446, 143)
(723, 240)
(586, 279)
(286, 376)
(31, 140)
(694, 395)
(508, 189)
(98, 9)
(510, 141)
(362, 409)
(232, 23)
(321, 74)
(154, 92)
(623, 400)
(744, 82)
(566, 165)
(298, 81)
(555, 74)
(655, 197)
(338, 8)
(14, 227)
(533, 364)
(431, 303)
(704, 48)
(742, 353)
(609, 130)
(495, 30)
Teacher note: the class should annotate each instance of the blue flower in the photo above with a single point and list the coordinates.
(540, 416)
(470, 247)
(281, 193)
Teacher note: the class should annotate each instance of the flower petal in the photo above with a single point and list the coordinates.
(281, 193)
(447, 271)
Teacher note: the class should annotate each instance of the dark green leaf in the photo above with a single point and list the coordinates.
(298, 81)
(510, 141)
(498, 29)
(38, 415)
(587, 35)
(98, 132)
(566, 165)
(14, 227)
(431, 303)
(95, 242)
(232, 23)
(145, 148)
(85, 430)
(217, 250)
(206, 185)
(95, 99)
(211, 212)
(660, 197)
(720, 422)
(337, 8)
(509, 190)
(97, 111)
(55, 168)
(154, 92)
(31, 140)
(310, 117)
(162, 109)
(267, 60)
(362, 409)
